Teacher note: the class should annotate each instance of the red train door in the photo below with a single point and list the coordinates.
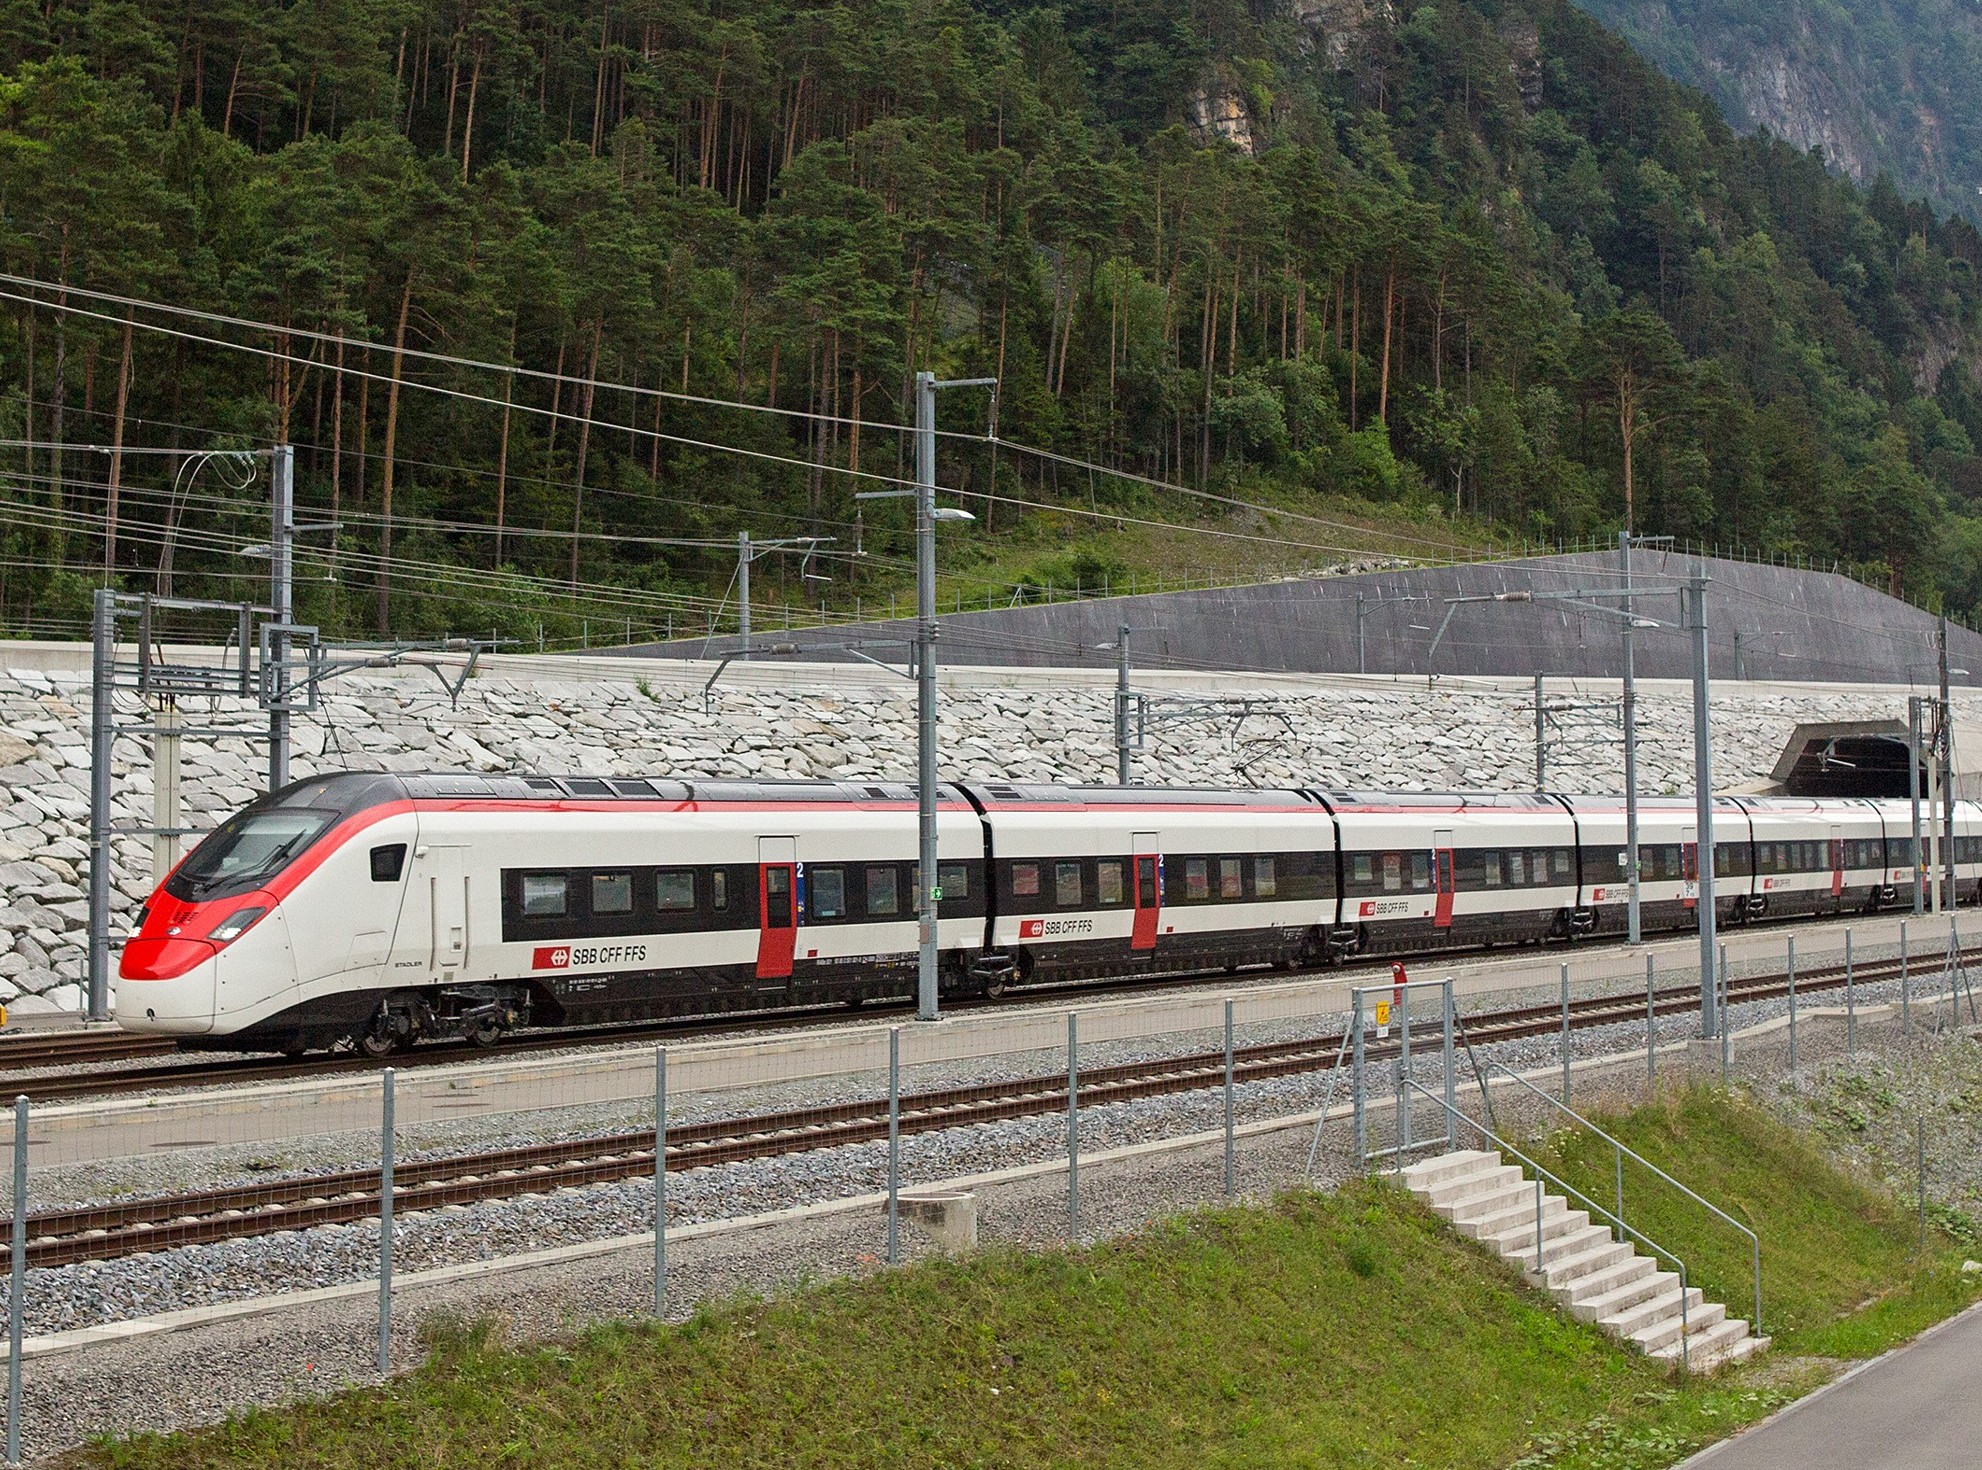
(777, 906)
(1148, 892)
(1441, 863)
(1689, 867)
(1837, 863)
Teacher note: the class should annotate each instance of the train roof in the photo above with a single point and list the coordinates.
(1427, 802)
(1024, 794)
(355, 789)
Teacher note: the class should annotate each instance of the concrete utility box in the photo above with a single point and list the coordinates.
(947, 1217)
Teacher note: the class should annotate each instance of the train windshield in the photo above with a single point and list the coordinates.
(245, 851)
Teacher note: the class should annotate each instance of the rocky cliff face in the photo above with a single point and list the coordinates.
(1875, 86)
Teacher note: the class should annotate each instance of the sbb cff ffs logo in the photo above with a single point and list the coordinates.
(551, 957)
(1032, 929)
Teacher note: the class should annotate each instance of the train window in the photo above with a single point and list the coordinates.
(1420, 871)
(1359, 868)
(827, 892)
(543, 895)
(1108, 881)
(1025, 880)
(674, 890)
(1538, 866)
(1266, 882)
(954, 880)
(1517, 867)
(1230, 882)
(777, 897)
(1146, 882)
(388, 862)
(1393, 872)
(1491, 860)
(719, 890)
(1562, 862)
(882, 896)
(1197, 879)
(1067, 885)
(612, 893)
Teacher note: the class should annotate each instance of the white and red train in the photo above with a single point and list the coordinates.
(375, 910)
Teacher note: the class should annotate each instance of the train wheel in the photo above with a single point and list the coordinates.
(380, 1038)
(485, 1033)
(996, 986)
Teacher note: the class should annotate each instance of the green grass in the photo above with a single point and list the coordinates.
(1843, 1273)
(1343, 1330)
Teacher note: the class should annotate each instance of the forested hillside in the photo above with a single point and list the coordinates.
(1875, 85)
(1472, 261)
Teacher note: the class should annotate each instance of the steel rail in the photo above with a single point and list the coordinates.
(126, 1227)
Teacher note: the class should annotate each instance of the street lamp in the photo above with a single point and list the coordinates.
(927, 514)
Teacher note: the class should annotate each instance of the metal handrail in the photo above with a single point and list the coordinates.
(1754, 1241)
(1685, 1327)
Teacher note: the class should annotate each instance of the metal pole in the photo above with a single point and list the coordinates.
(1651, 1022)
(1541, 741)
(385, 1225)
(894, 1141)
(1630, 712)
(1403, 1139)
(1230, 1141)
(1920, 1172)
(1362, 661)
(1792, 1003)
(281, 567)
(743, 557)
(103, 677)
(1565, 1035)
(660, 1181)
(17, 1265)
(1905, 983)
(1721, 986)
(1122, 756)
(1850, 1000)
(1073, 1127)
(1356, 1074)
(1703, 799)
(1913, 796)
(925, 685)
(1947, 771)
(1451, 1075)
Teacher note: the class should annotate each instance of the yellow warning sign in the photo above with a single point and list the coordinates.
(1383, 1013)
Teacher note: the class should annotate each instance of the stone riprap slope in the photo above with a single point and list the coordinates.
(1316, 731)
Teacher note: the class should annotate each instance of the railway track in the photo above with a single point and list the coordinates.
(129, 1227)
(19, 1054)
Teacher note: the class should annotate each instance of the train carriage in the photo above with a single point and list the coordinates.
(1114, 880)
(1668, 857)
(1815, 857)
(1439, 871)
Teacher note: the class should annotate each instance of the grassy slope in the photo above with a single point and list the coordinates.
(1346, 1330)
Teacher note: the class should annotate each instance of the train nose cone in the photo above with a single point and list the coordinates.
(167, 985)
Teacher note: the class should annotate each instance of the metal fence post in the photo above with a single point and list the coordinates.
(1905, 983)
(894, 1140)
(1451, 1076)
(1073, 1127)
(1565, 1035)
(1920, 1171)
(17, 1264)
(1720, 985)
(1850, 1001)
(1403, 1138)
(1229, 1140)
(1356, 1075)
(1651, 1021)
(385, 1223)
(660, 1181)
(1792, 1003)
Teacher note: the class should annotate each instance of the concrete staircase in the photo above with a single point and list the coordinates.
(1595, 1278)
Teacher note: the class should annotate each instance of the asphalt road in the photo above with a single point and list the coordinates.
(1919, 1408)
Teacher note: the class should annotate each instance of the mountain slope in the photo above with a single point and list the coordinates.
(1471, 262)
(1875, 86)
